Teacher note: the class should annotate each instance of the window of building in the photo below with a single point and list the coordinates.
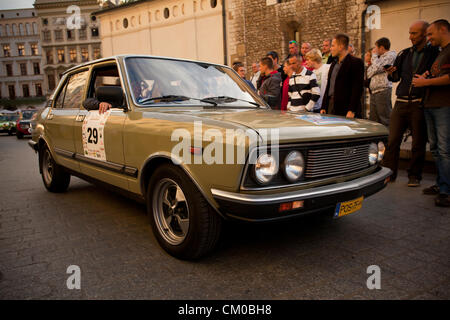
(9, 71)
(34, 49)
(38, 88)
(26, 90)
(12, 92)
(23, 69)
(21, 49)
(6, 50)
(36, 68)
(60, 53)
(84, 54)
(70, 35)
(58, 35)
(73, 54)
(94, 32)
(47, 36)
(82, 34)
(51, 81)
(97, 54)
(49, 56)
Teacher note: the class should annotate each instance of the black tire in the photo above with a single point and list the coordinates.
(204, 225)
(55, 178)
(19, 135)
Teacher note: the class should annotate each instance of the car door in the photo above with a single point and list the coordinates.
(99, 138)
(61, 118)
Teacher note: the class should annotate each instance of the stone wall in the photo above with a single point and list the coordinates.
(255, 27)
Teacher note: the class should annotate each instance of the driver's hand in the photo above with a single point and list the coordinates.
(103, 107)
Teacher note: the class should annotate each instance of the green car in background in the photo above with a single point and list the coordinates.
(8, 123)
(198, 146)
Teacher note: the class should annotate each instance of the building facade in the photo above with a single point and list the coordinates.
(176, 28)
(21, 73)
(69, 34)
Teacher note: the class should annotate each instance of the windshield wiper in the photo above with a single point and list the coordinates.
(172, 97)
(227, 99)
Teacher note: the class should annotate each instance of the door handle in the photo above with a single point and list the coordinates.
(80, 117)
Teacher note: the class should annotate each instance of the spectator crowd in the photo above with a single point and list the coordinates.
(331, 81)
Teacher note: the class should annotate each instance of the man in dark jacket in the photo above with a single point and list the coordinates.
(270, 88)
(408, 109)
(345, 81)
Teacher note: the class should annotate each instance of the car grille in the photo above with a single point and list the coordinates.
(336, 161)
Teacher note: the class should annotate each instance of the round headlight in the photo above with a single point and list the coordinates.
(294, 166)
(381, 150)
(373, 154)
(266, 167)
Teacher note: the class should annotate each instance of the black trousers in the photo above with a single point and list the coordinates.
(406, 115)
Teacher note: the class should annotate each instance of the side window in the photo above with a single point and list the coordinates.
(103, 76)
(60, 99)
(75, 90)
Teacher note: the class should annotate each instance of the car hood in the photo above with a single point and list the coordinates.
(292, 127)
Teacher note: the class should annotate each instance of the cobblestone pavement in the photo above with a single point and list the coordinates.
(108, 237)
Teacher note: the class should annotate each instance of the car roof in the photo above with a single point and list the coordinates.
(124, 56)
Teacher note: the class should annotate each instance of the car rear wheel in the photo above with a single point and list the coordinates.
(19, 135)
(55, 178)
(183, 222)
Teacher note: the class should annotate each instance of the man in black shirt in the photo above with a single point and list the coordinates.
(408, 109)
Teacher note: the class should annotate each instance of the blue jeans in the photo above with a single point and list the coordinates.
(438, 126)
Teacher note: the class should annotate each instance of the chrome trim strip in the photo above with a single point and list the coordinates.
(128, 171)
(303, 194)
(64, 153)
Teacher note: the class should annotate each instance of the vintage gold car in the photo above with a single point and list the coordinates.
(194, 142)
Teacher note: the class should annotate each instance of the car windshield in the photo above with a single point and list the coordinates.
(187, 83)
(27, 115)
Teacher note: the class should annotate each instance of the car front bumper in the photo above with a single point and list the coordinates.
(255, 207)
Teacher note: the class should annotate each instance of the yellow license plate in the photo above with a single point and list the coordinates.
(344, 208)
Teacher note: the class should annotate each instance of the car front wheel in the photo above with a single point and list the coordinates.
(55, 178)
(183, 222)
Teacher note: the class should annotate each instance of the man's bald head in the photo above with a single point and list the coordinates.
(421, 25)
(417, 33)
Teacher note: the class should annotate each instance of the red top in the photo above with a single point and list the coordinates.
(285, 94)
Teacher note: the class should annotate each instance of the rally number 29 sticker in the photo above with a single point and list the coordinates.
(93, 135)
